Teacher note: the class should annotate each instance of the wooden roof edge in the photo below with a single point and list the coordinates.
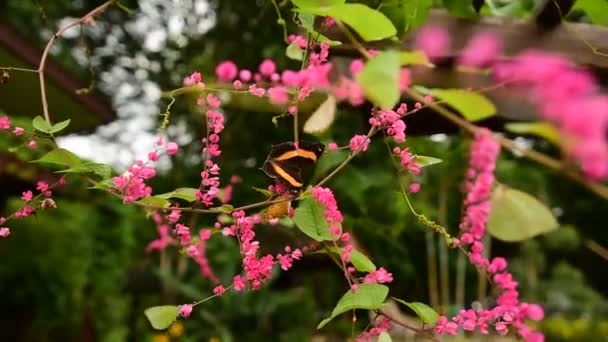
(578, 41)
(56, 73)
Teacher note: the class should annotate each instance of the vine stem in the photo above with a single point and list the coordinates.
(45, 106)
(409, 327)
(538, 157)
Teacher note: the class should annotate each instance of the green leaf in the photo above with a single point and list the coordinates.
(596, 10)
(316, 3)
(358, 259)
(262, 191)
(295, 52)
(102, 170)
(379, 79)
(423, 161)
(368, 296)
(541, 129)
(370, 24)
(425, 312)
(473, 106)
(323, 117)
(517, 216)
(41, 125)
(414, 58)
(460, 8)
(155, 201)
(58, 127)
(406, 15)
(384, 337)
(103, 185)
(60, 156)
(310, 219)
(307, 21)
(161, 317)
(224, 208)
(186, 194)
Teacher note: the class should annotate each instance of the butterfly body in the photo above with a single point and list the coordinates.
(286, 161)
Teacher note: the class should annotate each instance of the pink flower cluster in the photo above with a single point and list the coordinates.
(479, 181)
(434, 41)
(210, 181)
(508, 311)
(359, 143)
(391, 121)
(257, 270)
(132, 184)
(5, 124)
(334, 218)
(384, 325)
(481, 51)
(29, 208)
(194, 247)
(568, 97)
(378, 276)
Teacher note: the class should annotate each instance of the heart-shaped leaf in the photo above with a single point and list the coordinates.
(310, 219)
(368, 296)
(425, 312)
(379, 79)
(370, 24)
(517, 216)
(473, 106)
(323, 117)
(161, 317)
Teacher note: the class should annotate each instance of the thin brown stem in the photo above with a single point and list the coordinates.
(409, 327)
(45, 106)
(538, 157)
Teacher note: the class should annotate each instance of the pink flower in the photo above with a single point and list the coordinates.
(359, 143)
(27, 196)
(414, 187)
(278, 95)
(405, 79)
(226, 71)
(42, 186)
(5, 231)
(172, 148)
(219, 290)
(193, 79)
(501, 328)
(267, 67)
(329, 21)
(379, 276)
(245, 75)
(259, 92)
(332, 146)
(18, 131)
(292, 109)
(32, 144)
(237, 84)
(434, 41)
(290, 78)
(481, 50)
(239, 283)
(535, 312)
(153, 156)
(356, 66)
(184, 310)
(5, 122)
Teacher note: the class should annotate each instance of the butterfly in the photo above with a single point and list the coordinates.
(286, 161)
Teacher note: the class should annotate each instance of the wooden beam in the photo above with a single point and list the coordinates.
(573, 40)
